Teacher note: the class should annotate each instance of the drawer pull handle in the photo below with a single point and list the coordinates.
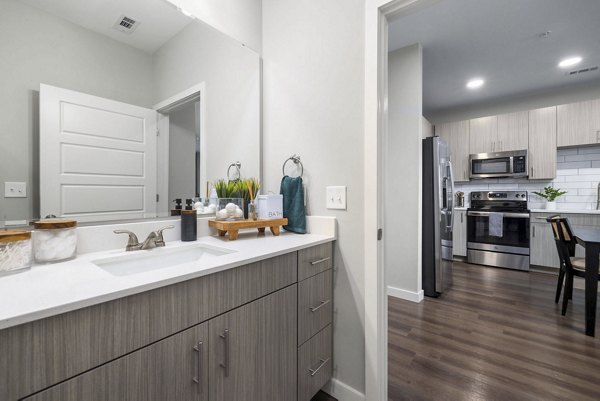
(315, 371)
(198, 378)
(322, 304)
(225, 364)
(316, 262)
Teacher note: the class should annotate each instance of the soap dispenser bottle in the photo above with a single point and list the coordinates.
(189, 222)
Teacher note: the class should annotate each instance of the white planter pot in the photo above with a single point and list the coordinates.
(551, 205)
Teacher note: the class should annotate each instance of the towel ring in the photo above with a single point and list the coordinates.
(237, 166)
(296, 159)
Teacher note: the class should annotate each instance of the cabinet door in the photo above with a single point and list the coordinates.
(459, 234)
(457, 136)
(542, 246)
(253, 353)
(542, 143)
(578, 123)
(484, 134)
(172, 369)
(513, 131)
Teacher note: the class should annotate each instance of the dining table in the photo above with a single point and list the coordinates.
(589, 238)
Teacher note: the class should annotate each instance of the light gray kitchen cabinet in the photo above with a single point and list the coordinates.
(513, 131)
(542, 143)
(578, 123)
(253, 350)
(542, 248)
(457, 136)
(459, 233)
(175, 368)
(483, 135)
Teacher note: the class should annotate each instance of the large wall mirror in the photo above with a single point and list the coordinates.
(110, 109)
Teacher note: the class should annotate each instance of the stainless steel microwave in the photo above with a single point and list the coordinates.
(499, 164)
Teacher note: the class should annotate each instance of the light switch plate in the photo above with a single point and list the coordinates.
(15, 190)
(336, 198)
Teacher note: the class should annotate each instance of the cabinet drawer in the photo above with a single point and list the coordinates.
(314, 364)
(314, 305)
(174, 368)
(314, 260)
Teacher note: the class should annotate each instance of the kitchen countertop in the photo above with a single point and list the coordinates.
(52, 289)
(566, 211)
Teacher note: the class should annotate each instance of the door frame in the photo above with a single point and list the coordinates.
(163, 108)
(378, 15)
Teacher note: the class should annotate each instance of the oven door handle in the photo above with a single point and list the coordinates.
(511, 215)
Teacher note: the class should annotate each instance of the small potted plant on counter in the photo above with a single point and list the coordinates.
(550, 194)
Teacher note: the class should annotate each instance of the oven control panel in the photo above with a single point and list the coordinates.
(499, 196)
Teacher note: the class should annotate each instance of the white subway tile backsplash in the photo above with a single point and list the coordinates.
(588, 150)
(574, 165)
(567, 172)
(589, 171)
(568, 151)
(578, 173)
(585, 157)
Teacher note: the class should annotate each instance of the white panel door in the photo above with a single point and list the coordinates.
(97, 157)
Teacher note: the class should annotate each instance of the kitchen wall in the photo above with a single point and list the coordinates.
(38, 47)
(572, 93)
(578, 173)
(403, 151)
(313, 105)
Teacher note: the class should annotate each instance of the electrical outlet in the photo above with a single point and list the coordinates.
(15, 190)
(336, 198)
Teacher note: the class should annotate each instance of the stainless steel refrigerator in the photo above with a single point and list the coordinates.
(438, 216)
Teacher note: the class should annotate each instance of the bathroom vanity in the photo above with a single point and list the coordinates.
(250, 324)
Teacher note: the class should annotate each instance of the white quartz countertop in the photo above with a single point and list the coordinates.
(566, 211)
(48, 290)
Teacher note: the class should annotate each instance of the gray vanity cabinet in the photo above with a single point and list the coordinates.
(253, 350)
(172, 369)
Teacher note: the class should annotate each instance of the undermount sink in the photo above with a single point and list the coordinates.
(159, 258)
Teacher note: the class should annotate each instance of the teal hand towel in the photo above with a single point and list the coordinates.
(293, 204)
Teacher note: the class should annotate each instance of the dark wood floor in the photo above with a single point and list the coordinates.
(496, 335)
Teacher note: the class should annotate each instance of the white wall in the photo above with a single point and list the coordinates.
(534, 101)
(403, 173)
(313, 105)
(37, 47)
(232, 75)
(240, 19)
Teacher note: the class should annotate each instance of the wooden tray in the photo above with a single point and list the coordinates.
(233, 227)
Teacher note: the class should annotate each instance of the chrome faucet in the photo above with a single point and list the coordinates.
(155, 239)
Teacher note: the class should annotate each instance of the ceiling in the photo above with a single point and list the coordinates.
(158, 20)
(500, 42)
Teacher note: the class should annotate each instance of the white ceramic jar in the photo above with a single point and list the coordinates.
(15, 251)
(54, 240)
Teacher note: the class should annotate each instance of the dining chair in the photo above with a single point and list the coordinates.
(570, 266)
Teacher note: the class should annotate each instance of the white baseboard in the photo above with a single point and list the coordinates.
(405, 294)
(343, 392)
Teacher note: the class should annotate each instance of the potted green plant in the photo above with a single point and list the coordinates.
(550, 194)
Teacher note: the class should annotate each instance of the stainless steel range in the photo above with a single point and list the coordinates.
(498, 229)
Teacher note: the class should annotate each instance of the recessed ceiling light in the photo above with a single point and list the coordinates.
(475, 83)
(570, 62)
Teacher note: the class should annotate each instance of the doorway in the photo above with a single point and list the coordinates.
(182, 151)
